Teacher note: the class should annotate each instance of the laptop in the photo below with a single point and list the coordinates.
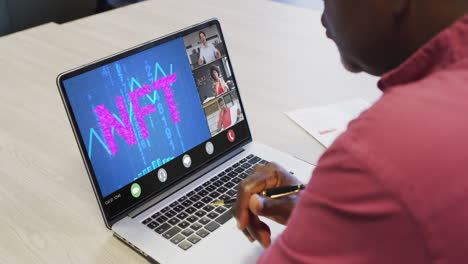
(163, 133)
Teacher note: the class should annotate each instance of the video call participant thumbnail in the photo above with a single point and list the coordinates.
(227, 115)
(208, 52)
(219, 85)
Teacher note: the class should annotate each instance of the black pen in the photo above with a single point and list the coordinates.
(273, 193)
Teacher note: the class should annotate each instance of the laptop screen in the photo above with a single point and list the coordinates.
(150, 116)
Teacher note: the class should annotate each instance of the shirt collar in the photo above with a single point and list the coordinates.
(447, 48)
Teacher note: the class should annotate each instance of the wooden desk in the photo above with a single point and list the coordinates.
(282, 61)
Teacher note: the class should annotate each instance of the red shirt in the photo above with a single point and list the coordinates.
(393, 189)
(225, 118)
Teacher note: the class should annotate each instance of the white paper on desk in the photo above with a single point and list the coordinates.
(326, 123)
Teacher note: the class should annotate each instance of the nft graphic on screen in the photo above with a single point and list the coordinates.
(137, 113)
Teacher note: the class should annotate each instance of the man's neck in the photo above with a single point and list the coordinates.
(428, 19)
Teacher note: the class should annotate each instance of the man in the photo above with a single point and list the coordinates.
(394, 187)
(208, 53)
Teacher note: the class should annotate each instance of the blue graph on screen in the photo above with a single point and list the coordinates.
(173, 123)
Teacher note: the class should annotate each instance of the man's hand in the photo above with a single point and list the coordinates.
(250, 205)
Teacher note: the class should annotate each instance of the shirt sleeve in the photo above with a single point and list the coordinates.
(347, 216)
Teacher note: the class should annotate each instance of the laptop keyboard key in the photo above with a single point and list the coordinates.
(173, 221)
(235, 165)
(194, 239)
(152, 225)
(187, 203)
(202, 193)
(190, 210)
(254, 160)
(196, 226)
(229, 185)
(239, 170)
(250, 156)
(208, 208)
(179, 208)
(220, 209)
(165, 210)
(243, 175)
(228, 169)
(263, 162)
(236, 180)
(161, 219)
(198, 205)
(224, 197)
(185, 245)
(187, 232)
(170, 214)
(181, 199)
(214, 195)
(224, 217)
(162, 228)
(195, 198)
(221, 189)
(182, 215)
(218, 183)
(232, 193)
(206, 183)
(204, 221)
(246, 166)
(210, 188)
(183, 224)
(203, 233)
(192, 219)
(174, 204)
(212, 215)
(233, 174)
(156, 215)
(199, 188)
(171, 232)
(207, 200)
(212, 226)
(177, 239)
(200, 213)
(147, 220)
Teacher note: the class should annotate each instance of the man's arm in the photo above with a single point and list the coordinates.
(347, 216)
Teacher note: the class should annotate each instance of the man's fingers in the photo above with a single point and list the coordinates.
(275, 209)
(248, 235)
(259, 230)
(259, 180)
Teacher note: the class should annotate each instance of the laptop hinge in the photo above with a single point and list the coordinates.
(184, 182)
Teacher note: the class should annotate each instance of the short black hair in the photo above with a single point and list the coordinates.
(220, 99)
(212, 69)
(201, 32)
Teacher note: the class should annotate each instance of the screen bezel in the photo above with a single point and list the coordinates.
(111, 219)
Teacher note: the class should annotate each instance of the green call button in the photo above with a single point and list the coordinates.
(135, 189)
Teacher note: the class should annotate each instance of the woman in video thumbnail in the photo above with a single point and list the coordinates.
(219, 85)
(208, 53)
(227, 115)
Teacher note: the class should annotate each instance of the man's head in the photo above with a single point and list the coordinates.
(202, 36)
(221, 104)
(375, 36)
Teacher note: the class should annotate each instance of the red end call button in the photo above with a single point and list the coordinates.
(231, 135)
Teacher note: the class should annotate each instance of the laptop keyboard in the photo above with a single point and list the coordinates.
(191, 218)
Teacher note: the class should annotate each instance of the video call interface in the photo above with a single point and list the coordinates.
(139, 113)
